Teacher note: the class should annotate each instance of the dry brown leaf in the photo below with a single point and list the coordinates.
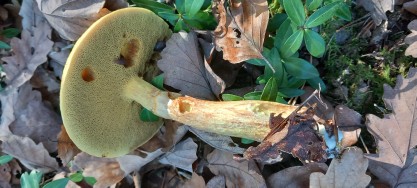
(107, 171)
(71, 18)
(411, 6)
(377, 8)
(238, 174)
(185, 69)
(132, 163)
(396, 134)
(411, 39)
(31, 15)
(31, 155)
(349, 171)
(5, 176)
(182, 156)
(296, 176)
(195, 182)
(24, 114)
(66, 148)
(221, 142)
(241, 31)
(348, 122)
(59, 56)
(28, 53)
(216, 182)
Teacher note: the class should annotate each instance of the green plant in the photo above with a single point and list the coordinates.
(185, 15)
(5, 159)
(77, 178)
(31, 180)
(8, 33)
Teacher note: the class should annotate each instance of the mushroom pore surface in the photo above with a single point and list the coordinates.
(117, 47)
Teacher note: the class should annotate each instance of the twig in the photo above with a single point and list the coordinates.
(364, 145)
(136, 179)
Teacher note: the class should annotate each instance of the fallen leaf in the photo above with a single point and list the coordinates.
(66, 148)
(184, 68)
(349, 171)
(28, 53)
(59, 56)
(377, 8)
(396, 134)
(221, 142)
(31, 15)
(241, 31)
(31, 155)
(182, 156)
(411, 39)
(237, 174)
(297, 136)
(216, 182)
(411, 6)
(113, 5)
(296, 176)
(195, 181)
(132, 163)
(71, 18)
(106, 171)
(348, 122)
(5, 176)
(34, 118)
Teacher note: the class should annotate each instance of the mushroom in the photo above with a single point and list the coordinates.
(104, 86)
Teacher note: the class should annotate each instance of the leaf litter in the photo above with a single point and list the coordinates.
(30, 125)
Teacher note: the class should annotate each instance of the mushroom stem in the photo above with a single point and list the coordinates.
(245, 119)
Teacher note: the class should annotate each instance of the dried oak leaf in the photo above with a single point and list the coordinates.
(70, 18)
(30, 154)
(297, 136)
(66, 148)
(396, 134)
(28, 53)
(349, 171)
(185, 69)
(216, 182)
(241, 31)
(348, 122)
(195, 181)
(296, 176)
(237, 174)
(218, 141)
(411, 39)
(182, 156)
(5, 176)
(377, 8)
(31, 15)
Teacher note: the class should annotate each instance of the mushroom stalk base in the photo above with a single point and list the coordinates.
(245, 119)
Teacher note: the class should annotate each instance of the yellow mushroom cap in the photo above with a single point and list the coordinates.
(117, 47)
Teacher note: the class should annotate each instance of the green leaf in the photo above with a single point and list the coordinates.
(294, 82)
(255, 95)
(246, 141)
(4, 45)
(180, 5)
(5, 159)
(158, 81)
(275, 22)
(313, 4)
(154, 6)
(59, 183)
(281, 100)
(231, 97)
(343, 12)
(284, 31)
(193, 6)
(261, 79)
(77, 177)
(31, 180)
(322, 15)
(258, 62)
(276, 62)
(270, 91)
(295, 11)
(180, 25)
(292, 44)
(317, 83)
(314, 42)
(300, 68)
(10, 32)
(90, 180)
(290, 92)
(147, 116)
(170, 17)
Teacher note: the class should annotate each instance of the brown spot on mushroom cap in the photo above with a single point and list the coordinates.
(96, 115)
